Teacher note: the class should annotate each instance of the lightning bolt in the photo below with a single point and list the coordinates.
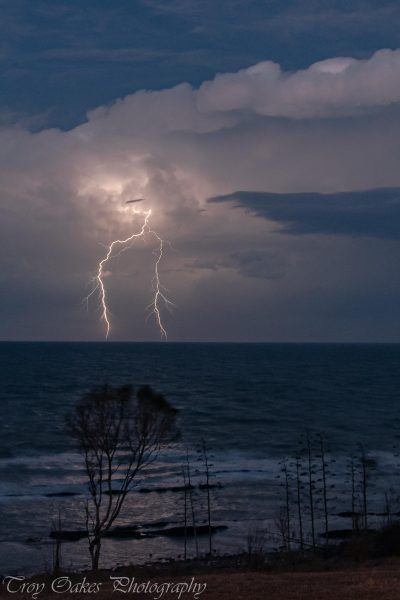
(124, 245)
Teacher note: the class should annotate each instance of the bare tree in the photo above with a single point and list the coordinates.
(190, 488)
(207, 472)
(324, 485)
(311, 485)
(366, 464)
(119, 433)
(364, 485)
(185, 520)
(281, 525)
(287, 501)
(256, 540)
(354, 499)
(299, 502)
(57, 554)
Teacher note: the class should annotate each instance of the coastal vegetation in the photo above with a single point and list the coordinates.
(119, 432)
(322, 512)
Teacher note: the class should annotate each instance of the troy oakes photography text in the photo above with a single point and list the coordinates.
(123, 585)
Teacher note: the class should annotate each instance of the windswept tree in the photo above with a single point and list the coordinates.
(119, 432)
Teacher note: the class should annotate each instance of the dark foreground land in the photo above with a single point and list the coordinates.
(363, 584)
(380, 581)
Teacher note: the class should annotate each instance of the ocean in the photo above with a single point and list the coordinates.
(251, 403)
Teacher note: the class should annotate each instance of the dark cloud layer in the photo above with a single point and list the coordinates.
(60, 59)
(371, 213)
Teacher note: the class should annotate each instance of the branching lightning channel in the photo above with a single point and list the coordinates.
(158, 296)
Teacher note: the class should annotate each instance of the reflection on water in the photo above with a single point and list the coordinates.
(250, 402)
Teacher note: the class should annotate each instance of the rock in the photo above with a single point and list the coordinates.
(68, 536)
(180, 531)
(61, 494)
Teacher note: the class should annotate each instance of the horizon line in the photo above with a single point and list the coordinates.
(169, 343)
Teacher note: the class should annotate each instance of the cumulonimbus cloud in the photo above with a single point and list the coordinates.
(63, 196)
(330, 88)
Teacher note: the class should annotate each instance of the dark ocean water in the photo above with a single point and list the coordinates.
(251, 402)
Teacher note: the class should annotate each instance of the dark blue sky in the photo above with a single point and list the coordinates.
(61, 58)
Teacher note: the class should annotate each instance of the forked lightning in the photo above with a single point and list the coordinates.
(123, 245)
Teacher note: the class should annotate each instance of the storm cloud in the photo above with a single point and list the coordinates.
(370, 213)
(231, 274)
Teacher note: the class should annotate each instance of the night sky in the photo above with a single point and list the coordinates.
(264, 136)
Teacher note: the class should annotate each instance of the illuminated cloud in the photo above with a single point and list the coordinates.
(330, 88)
(64, 195)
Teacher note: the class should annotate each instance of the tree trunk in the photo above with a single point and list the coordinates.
(205, 456)
(95, 547)
(311, 489)
(287, 498)
(185, 511)
(364, 487)
(299, 507)
(324, 489)
(192, 505)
